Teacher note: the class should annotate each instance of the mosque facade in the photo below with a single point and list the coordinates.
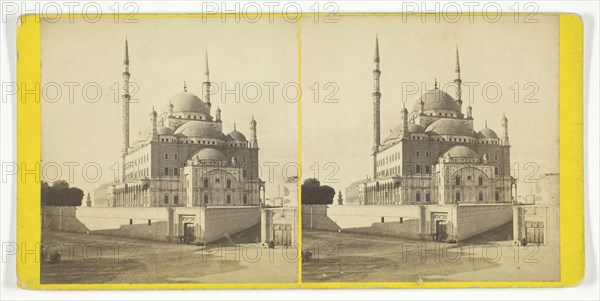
(434, 156)
(183, 158)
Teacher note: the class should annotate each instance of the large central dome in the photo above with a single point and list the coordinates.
(437, 100)
(186, 102)
(198, 129)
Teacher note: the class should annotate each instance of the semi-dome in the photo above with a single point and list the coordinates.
(399, 129)
(209, 154)
(437, 100)
(487, 133)
(448, 126)
(163, 130)
(188, 102)
(460, 151)
(198, 129)
(237, 136)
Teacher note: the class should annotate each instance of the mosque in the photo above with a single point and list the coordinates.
(433, 172)
(183, 158)
(434, 156)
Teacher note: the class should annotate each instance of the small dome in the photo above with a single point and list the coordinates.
(198, 129)
(446, 126)
(237, 136)
(460, 151)
(209, 154)
(163, 130)
(188, 102)
(437, 100)
(487, 133)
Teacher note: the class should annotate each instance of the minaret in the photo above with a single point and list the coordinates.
(405, 133)
(469, 111)
(88, 203)
(170, 109)
(207, 85)
(218, 114)
(125, 99)
(154, 127)
(253, 139)
(376, 108)
(504, 124)
(458, 81)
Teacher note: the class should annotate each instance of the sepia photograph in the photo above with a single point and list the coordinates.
(435, 147)
(163, 158)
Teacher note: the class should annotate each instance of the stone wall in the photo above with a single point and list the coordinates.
(221, 221)
(150, 223)
(332, 218)
(476, 219)
(155, 231)
(407, 229)
(62, 218)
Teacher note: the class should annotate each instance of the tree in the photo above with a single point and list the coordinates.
(60, 194)
(314, 193)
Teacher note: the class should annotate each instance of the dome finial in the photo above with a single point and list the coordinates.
(486, 124)
(435, 83)
(184, 87)
(234, 127)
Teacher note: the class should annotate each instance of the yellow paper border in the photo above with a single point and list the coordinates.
(571, 171)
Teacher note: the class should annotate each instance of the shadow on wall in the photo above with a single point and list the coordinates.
(408, 230)
(314, 217)
(248, 236)
(62, 218)
(155, 231)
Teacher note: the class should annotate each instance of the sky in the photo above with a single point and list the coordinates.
(336, 79)
(338, 133)
(82, 129)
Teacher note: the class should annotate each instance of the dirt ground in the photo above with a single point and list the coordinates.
(348, 257)
(107, 259)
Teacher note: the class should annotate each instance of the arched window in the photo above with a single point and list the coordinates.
(166, 198)
(205, 183)
(205, 198)
(457, 197)
(228, 183)
(481, 196)
(245, 199)
(496, 172)
(497, 196)
(480, 181)
(166, 156)
(418, 197)
(427, 197)
(176, 199)
(418, 154)
(228, 198)
(457, 180)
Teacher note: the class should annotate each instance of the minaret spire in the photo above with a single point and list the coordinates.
(253, 139)
(207, 82)
(504, 123)
(376, 108)
(125, 98)
(458, 80)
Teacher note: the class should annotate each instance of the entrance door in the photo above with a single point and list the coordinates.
(534, 233)
(188, 232)
(282, 235)
(440, 230)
